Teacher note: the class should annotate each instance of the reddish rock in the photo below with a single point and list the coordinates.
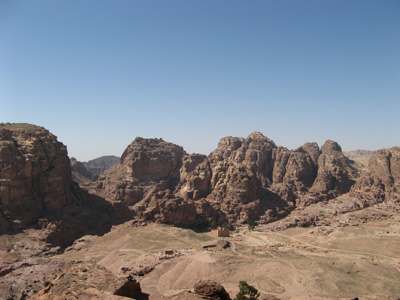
(36, 188)
(82, 281)
(335, 173)
(35, 173)
(211, 290)
(243, 180)
(381, 181)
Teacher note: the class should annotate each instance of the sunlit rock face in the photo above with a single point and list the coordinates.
(35, 175)
(243, 180)
(381, 181)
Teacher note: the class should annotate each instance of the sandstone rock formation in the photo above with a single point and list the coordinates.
(34, 172)
(83, 281)
(242, 181)
(145, 178)
(381, 181)
(211, 290)
(37, 190)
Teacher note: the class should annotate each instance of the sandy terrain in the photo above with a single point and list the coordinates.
(299, 263)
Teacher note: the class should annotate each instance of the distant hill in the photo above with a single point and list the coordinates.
(99, 165)
(360, 158)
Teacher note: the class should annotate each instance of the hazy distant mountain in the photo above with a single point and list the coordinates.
(99, 165)
(360, 158)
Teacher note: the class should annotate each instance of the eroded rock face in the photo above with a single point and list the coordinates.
(37, 190)
(146, 167)
(148, 179)
(335, 175)
(382, 179)
(35, 174)
(242, 181)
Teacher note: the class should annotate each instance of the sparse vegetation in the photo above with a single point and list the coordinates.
(252, 225)
(213, 225)
(247, 292)
(228, 226)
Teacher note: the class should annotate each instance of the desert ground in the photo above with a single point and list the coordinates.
(297, 263)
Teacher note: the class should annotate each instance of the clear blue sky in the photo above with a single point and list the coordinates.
(98, 73)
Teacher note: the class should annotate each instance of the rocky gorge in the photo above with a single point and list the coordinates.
(243, 181)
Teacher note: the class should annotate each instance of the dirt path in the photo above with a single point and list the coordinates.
(174, 236)
(295, 289)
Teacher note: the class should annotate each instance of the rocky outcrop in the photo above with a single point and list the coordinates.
(335, 174)
(83, 281)
(149, 180)
(147, 166)
(35, 174)
(37, 190)
(381, 181)
(211, 290)
(242, 181)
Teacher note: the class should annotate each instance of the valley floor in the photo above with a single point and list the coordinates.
(299, 263)
(324, 262)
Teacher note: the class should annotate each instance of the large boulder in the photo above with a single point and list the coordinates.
(211, 290)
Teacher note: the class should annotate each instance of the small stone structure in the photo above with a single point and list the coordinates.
(223, 232)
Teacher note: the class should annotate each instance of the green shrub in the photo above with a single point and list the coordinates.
(247, 292)
(213, 225)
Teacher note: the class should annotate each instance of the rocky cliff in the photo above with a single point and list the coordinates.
(242, 181)
(37, 190)
(381, 180)
(35, 173)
